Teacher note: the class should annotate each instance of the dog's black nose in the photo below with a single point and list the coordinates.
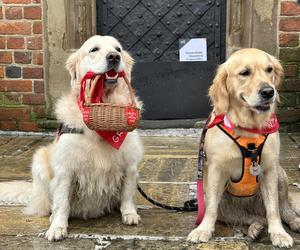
(266, 92)
(113, 58)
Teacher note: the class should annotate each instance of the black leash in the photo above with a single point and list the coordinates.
(190, 205)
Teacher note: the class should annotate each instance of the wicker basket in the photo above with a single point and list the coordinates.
(108, 116)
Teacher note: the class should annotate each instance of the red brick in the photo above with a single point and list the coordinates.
(39, 111)
(33, 73)
(33, 99)
(290, 70)
(290, 9)
(5, 57)
(15, 43)
(22, 57)
(32, 12)
(8, 125)
(1, 13)
(36, 1)
(37, 58)
(13, 13)
(37, 28)
(2, 43)
(28, 126)
(15, 86)
(290, 24)
(291, 85)
(38, 87)
(35, 43)
(16, 1)
(1, 72)
(14, 113)
(16, 28)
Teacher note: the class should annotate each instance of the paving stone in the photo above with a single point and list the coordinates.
(166, 174)
(37, 243)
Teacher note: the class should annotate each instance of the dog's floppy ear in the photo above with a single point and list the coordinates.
(278, 70)
(71, 64)
(129, 61)
(218, 92)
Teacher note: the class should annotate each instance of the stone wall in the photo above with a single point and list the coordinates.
(289, 54)
(22, 92)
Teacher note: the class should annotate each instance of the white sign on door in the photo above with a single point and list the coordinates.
(192, 50)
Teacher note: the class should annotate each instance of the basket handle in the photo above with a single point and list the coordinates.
(130, 90)
(92, 87)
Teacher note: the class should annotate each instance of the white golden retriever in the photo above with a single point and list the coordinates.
(245, 89)
(81, 175)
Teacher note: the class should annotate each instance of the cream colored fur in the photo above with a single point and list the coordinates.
(237, 96)
(81, 175)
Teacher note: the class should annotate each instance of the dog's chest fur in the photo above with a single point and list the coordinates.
(97, 171)
(95, 192)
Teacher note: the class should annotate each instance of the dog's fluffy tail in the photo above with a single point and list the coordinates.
(15, 192)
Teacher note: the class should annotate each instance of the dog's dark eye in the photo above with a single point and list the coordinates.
(245, 72)
(118, 49)
(269, 69)
(94, 49)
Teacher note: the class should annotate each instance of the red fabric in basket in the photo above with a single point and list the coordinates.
(115, 139)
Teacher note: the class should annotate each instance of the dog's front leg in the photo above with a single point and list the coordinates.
(60, 187)
(213, 192)
(128, 207)
(269, 190)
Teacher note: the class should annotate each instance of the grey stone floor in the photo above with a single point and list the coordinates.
(167, 173)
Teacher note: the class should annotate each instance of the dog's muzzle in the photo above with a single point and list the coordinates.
(110, 80)
(113, 62)
(266, 92)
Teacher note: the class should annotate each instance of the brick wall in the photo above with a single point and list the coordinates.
(22, 98)
(289, 51)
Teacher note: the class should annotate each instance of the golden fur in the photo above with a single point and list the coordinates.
(81, 175)
(237, 94)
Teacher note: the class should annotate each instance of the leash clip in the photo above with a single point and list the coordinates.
(202, 154)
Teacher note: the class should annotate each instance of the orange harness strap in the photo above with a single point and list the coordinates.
(251, 149)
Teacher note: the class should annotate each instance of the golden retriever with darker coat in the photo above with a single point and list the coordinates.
(245, 90)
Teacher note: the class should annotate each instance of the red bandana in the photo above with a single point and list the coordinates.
(272, 125)
(113, 138)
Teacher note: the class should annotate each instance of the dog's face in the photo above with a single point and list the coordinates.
(98, 54)
(249, 78)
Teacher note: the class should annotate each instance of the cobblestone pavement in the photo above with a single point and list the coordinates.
(167, 173)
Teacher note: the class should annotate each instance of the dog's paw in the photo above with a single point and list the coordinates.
(131, 219)
(254, 230)
(56, 233)
(295, 225)
(281, 239)
(198, 235)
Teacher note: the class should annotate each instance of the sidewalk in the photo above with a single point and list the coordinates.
(167, 174)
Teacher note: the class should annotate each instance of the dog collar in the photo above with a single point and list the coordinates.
(272, 125)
